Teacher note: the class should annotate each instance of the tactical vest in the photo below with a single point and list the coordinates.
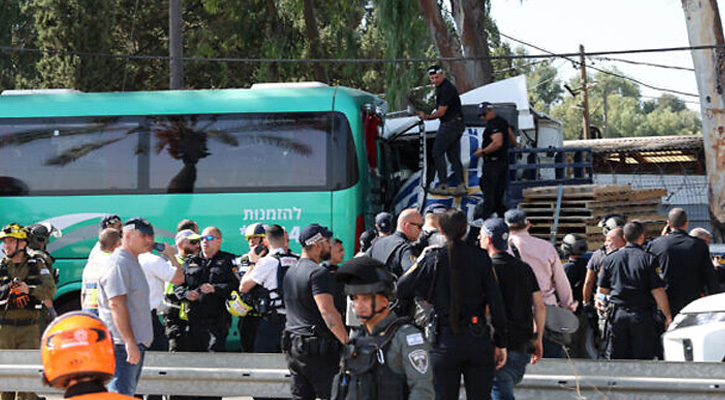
(365, 374)
(32, 280)
(260, 296)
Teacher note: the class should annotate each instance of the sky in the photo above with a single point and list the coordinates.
(560, 26)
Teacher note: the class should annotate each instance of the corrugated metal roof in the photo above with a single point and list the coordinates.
(640, 144)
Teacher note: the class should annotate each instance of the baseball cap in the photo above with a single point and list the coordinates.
(109, 220)
(498, 231)
(515, 218)
(186, 234)
(483, 107)
(435, 208)
(434, 69)
(312, 234)
(139, 224)
(384, 222)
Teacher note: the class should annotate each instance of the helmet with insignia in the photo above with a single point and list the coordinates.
(574, 244)
(611, 222)
(366, 275)
(236, 306)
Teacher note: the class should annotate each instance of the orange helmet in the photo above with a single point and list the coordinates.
(76, 345)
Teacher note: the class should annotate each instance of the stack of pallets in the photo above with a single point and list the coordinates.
(583, 206)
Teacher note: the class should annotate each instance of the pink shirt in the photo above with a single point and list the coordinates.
(544, 260)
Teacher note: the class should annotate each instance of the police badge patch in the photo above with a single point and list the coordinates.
(419, 359)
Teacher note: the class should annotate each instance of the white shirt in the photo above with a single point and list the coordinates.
(265, 273)
(158, 271)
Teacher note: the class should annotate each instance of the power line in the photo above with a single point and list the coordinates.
(360, 60)
(645, 63)
(613, 73)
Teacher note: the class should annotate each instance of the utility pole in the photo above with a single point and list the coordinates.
(176, 48)
(585, 92)
(704, 28)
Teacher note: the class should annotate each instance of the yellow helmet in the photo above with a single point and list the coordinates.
(76, 345)
(254, 230)
(14, 231)
(236, 306)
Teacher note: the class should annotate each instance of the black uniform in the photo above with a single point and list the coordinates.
(464, 347)
(394, 251)
(686, 268)
(249, 323)
(631, 274)
(448, 139)
(495, 168)
(338, 289)
(207, 315)
(313, 352)
(576, 272)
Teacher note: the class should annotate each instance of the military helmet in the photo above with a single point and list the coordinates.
(39, 234)
(14, 230)
(366, 275)
(254, 230)
(611, 222)
(76, 345)
(574, 244)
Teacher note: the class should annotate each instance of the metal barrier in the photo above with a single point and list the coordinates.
(235, 374)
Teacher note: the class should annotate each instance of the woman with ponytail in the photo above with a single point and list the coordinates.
(458, 280)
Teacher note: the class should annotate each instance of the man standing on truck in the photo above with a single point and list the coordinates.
(494, 148)
(448, 139)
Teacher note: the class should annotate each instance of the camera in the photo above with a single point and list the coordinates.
(159, 247)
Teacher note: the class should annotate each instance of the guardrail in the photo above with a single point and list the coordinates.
(236, 374)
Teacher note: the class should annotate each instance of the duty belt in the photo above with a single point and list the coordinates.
(17, 322)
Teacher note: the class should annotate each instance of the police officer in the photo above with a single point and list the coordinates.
(524, 307)
(254, 234)
(25, 283)
(613, 239)
(630, 277)
(574, 246)
(209, 279)
(314, 330)
(686, 265)
(448, 139)
(75, 364)
(403, 371)
(465, 285)
(396, 251)
(494, 148)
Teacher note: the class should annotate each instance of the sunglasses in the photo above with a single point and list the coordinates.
(208, 238)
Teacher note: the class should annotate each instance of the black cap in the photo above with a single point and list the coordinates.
(498, 231)
(434, 69)
(313, 234)
(139, 224)
(365, 275)
(384, 222)
(483, 107)
(109, 220)
(515, 218)
(435, 208)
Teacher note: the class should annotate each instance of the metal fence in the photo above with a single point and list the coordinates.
(235, 374)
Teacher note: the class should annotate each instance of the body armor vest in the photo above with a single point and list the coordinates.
(32, 280)
(365, 374)
(262, 302)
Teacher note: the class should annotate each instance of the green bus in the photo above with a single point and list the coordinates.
(276, 153)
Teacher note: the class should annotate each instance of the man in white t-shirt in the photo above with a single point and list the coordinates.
(263, 282)
(160, 270)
